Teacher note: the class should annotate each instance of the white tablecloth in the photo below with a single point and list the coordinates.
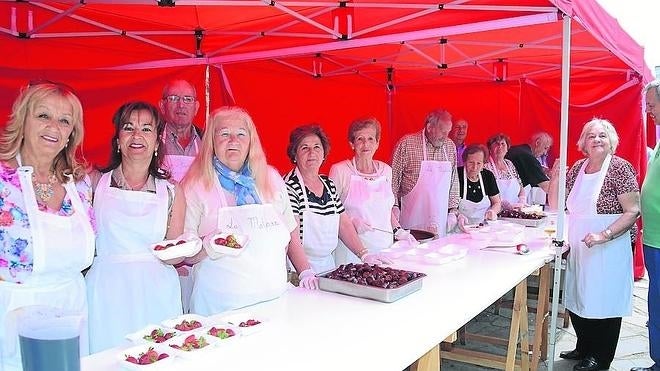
(316, 330)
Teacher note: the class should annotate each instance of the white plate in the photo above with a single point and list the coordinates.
(137, 350)
(215, 250)
(191, 246)
(138, 336)
(193, 353)
(237, 318)
(171, 323)
(445, 254)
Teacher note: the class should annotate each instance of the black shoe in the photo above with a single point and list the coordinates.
(572, 354)
(589, 364)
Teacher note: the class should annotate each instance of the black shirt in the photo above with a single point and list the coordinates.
(527, 165)
(474, 188)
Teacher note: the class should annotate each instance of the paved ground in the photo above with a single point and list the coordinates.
(632, 350)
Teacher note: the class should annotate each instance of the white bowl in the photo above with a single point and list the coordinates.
(238, 318)
(183, 247)
(143, 348)
(173, 322)
(138, 337)
(216, 250)
(194, 352)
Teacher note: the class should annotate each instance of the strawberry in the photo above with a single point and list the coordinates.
(181, 242)
(163, 356)
(131, 359)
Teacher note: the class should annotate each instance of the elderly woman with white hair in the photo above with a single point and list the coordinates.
(602, 204)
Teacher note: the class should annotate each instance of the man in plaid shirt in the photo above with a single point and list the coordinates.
(424, 179)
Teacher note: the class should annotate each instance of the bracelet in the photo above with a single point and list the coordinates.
(362, 253)
(396, 229)
(608, 233)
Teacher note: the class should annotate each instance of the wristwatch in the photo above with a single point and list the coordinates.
(608, 233)
(396, 229)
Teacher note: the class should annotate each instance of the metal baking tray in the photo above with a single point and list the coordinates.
(369, 292)
(526, 222)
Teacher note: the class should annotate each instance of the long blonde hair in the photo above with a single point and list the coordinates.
(201, 170)
(11, 138)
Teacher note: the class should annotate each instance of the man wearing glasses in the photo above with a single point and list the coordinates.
(181, 138)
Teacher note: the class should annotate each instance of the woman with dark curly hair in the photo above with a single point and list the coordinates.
(316, 205)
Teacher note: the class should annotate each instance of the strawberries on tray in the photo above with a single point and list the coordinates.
(221, 332)
(159, 336)
(229, 241)
(186, 325)
(249, 323)
(167, 246)
(146, 358)
(192, 342)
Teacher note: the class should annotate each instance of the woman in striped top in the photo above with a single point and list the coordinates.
(316, 204)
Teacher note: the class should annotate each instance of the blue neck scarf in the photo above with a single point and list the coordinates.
(240, 183)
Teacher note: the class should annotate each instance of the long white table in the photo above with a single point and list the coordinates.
(317, 330)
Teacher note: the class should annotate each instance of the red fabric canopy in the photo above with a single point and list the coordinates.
(496, 63)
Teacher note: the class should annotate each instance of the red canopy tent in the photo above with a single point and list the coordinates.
(496, 63)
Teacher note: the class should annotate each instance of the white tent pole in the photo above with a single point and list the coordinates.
(207, 92)
(563, 146)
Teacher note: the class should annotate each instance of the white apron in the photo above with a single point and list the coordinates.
(509, 188)
(62, 247)
(426, 206)
(474, 211)
(371, 200)
(125, 273)
(320, 234)
(258, 274)
(535, 195)
(178, 166)
(599, 279)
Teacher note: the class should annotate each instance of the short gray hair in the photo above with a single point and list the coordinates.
(436, 115)
(655, 85)
(609, 130)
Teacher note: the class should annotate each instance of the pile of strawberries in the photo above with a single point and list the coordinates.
(165, 247)
(192, 342)
(249, 323)
(230, 241)
(221, 332)
(158, 336)
(188, 325)
(147, 358)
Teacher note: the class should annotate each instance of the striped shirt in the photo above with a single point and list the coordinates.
(328, 204)
(407, 162)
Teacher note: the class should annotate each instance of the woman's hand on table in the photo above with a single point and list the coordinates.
(462, 221)
(376, 258)
(308, 280)
(592, 239)
(490, 215)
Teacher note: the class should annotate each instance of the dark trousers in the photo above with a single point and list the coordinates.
(652, 262)
(597, 337)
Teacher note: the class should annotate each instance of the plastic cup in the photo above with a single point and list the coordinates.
(49, 341)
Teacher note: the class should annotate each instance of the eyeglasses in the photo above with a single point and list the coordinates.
(187, 99)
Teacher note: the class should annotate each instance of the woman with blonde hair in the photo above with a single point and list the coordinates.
(231, 188)
(46, 234)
